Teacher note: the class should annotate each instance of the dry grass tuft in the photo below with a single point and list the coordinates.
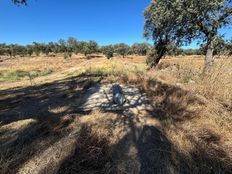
(187, 129)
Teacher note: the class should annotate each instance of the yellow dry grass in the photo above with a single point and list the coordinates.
(188, 129)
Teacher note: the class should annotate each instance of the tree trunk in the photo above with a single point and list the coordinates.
(155, 61)
(160, 52)
(209, 60)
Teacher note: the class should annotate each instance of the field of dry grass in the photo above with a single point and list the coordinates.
(187, 130)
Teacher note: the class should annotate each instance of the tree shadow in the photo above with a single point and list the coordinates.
(91, 154)
(100, 96)
(50, 109)
(145, 148)
(172, 103)
(37, 101)
(174, 107)
(154, 151)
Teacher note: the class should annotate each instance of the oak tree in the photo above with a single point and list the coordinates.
(141, 48)
(182, 21)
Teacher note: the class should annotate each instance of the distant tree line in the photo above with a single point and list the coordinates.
(221, 47)
(73, 46)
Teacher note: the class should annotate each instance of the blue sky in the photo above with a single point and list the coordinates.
(105, 21)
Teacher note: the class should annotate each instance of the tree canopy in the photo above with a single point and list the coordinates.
(182, 21)
(18, 2)
(72, 45)
(122, 49)
(108, 51)
(141, 48)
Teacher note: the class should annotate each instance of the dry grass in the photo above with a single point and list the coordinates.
(215, 85)
(188, 129)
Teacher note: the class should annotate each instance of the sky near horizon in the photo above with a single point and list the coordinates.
(105, 21)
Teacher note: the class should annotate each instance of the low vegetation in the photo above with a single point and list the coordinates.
(189, 123)
(19, 75)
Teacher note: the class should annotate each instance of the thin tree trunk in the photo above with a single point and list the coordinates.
(161, 50)
(209, 60)
(155, 61)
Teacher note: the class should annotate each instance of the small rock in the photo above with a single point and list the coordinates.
(179, 84)
(191, 82)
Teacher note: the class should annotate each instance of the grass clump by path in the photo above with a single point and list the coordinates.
(19, 74)
(110, 69)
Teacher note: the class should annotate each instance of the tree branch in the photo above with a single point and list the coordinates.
(228, 13)
(18, 2)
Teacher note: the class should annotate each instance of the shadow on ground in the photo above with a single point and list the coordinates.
(146, 147)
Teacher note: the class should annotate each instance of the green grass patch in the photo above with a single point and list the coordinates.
(113, 69)
(106, 71)
(19, 75)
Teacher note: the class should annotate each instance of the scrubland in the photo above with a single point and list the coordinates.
(187, 130)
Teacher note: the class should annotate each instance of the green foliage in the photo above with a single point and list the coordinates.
(18, 74)
(29, 50)
(108, 51)
(62, 46)
(12, 75)
(19, 2)
(140, 48)
(182, 21)
(67, 48)
(73, 45)
(219, 46)
(229, 47)
(36, 48)
(121, 49)
(173, 49)
(191, 52)
(67, 55)
(89, 47)
(53, 47)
